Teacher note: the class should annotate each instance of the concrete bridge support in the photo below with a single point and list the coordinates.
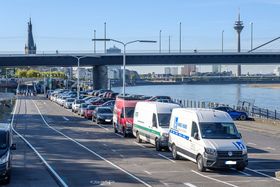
(100, 77)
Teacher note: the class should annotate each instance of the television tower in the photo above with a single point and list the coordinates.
(238, 26)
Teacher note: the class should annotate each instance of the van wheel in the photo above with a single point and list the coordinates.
(138, 139)
(7, 179)
(124, 132)
(200, 165)
(115, 128)
(174, 152)
(240, 167)
(158, 147)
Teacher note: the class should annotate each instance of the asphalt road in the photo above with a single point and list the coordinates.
(82, 153)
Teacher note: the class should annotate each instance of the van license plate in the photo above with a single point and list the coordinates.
(230, 163)
(107, 120)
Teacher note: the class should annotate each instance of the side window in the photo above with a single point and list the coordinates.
(194, 129)
(154, 120)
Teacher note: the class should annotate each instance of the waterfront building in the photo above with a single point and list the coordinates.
(85, 73)
(216, 68)
(30, 46)
(188, 69)
(277, 71)
(167, 70)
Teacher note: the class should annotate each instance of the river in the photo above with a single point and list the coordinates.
(227, 94)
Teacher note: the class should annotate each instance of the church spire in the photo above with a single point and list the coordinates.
(30, 47)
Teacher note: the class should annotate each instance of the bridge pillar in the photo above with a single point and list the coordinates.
(100, 77)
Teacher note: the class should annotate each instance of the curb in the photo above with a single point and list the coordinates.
(277, 174)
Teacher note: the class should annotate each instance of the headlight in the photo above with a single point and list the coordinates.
(211, 151)
(244, 151)
(128, 125)
(5, 158)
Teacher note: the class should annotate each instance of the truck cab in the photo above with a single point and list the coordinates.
(207, 137)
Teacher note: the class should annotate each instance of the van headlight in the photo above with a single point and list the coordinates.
(244, 151)
(211, 151)
(129, 125)
(5, 158)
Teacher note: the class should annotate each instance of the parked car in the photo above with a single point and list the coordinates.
(100, 101)
(109, 104)
(155, 98)
(82, 108)
(77, 104)
(89, 110)
(68, 103)
(102, 115)
(234, 114)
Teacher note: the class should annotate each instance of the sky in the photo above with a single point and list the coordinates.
(67, 25)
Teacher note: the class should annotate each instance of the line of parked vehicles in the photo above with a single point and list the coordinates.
(207, 137)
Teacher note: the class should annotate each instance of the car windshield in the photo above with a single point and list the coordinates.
(80, 101)
(216, 130)
(91, 107)
(164, 119)
(4, 140)
(84, 105)
(104, 110)
(129, 111)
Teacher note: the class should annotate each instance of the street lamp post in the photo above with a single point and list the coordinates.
(124, 52)
(160, 41)
(222, 41)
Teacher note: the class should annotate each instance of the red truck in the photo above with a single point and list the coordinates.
(123, 114)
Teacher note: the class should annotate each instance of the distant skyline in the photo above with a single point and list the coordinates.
(68, 25)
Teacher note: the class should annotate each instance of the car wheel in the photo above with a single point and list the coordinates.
(158, 147)
(124, 132)
(242, 117)
(174, 152)
(138, 139)
(200, 165)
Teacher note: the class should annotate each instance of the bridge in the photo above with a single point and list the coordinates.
(101, 59)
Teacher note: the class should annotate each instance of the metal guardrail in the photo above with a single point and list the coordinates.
(251, 111)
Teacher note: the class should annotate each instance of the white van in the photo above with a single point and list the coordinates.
(207, 137)
(6, 145)
(151, 122)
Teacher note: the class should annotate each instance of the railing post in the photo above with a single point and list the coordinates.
(187, 103)
(267, 113)
(260, 112)
(275, 114)
(184, 103)
(191, 104)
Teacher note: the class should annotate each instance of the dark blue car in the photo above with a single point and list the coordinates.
(234, 114)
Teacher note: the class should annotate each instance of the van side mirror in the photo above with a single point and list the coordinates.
(13, 146)
(122, 115)
(195, 136)
(240, 135)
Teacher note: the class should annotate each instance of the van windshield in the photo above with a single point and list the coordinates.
(129, 111)
(4, 140)
(218, 131)
(163, 119)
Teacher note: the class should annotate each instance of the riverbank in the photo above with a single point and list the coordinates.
(270, 86)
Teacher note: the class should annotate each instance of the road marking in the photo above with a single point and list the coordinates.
(121, 156)
(205, 176)
(189, 184)
(244, 173)
(264, 161)
(149, 173)
(119, 135)
(166, 158)
(250, 143)
(263, 174)
(139, 144)
(102, 127)
(105, 145)
(65, 118)
(264, 154)
(58, 179)
(113, 150)
(91, 151)
(268, 170)
(271, 148)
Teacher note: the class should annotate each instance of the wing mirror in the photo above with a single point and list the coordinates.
(195, 136)
(13, 146)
